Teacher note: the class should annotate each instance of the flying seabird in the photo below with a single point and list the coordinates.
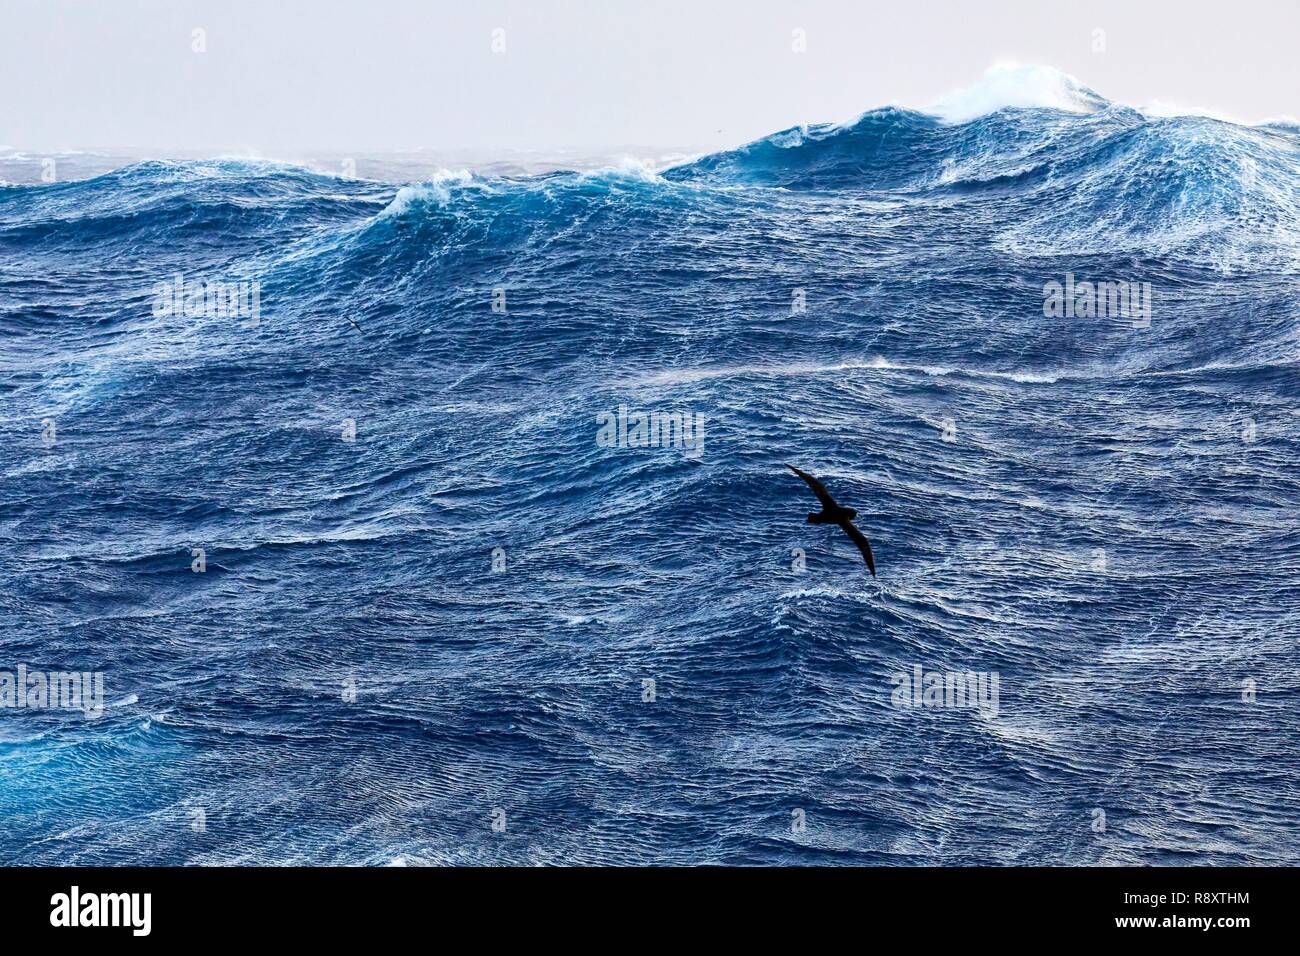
(833, 513)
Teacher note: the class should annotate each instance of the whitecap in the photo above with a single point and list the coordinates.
(1011, 85)
(437, 190)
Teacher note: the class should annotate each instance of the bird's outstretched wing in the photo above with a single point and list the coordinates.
(863, 544)
(818, 488)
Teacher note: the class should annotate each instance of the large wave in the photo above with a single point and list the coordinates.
(1076, 174)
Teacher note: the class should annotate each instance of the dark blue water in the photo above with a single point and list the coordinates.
(1104, 514)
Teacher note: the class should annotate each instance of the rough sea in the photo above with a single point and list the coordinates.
(364, 585)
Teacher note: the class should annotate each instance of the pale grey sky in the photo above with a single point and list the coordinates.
(281, 75)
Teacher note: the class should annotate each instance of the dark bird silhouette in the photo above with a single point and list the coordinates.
(834, 513)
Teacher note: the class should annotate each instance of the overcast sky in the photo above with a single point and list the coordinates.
(383, 75)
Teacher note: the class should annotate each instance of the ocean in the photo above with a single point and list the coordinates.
(307, 468)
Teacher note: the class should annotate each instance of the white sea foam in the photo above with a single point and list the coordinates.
(629, 167)
(438, 190)
(1013, 85)
(790, 138)
(686, 375)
